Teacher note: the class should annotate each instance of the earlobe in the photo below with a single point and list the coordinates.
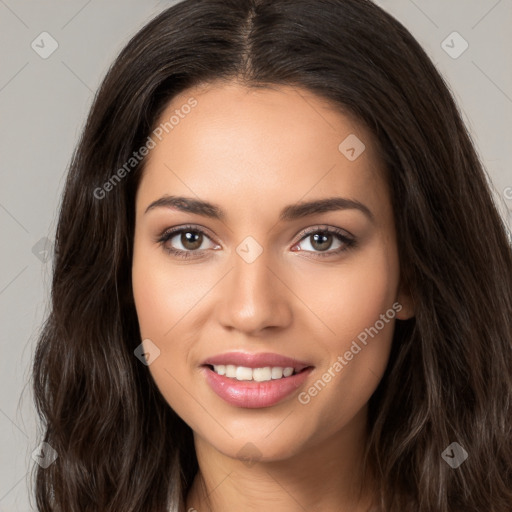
(405, 304)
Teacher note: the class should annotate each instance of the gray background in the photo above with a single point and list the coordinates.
(43, 104)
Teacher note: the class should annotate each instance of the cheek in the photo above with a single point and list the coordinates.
(163, 293)
(361, 314)
(164, 296)
(350, 297)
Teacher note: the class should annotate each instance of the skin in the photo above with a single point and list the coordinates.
(253, 152)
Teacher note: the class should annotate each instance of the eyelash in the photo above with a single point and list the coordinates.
(168, 234)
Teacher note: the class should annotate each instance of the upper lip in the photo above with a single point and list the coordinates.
(260, 360)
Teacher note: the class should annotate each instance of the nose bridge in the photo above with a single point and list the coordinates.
(253, 296)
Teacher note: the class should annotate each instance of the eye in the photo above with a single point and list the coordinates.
(190, 238)
(321, 239)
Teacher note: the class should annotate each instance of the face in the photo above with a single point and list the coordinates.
(291, 267)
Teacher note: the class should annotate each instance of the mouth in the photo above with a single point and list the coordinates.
(255, 380)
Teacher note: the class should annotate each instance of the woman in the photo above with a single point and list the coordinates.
(280, 279)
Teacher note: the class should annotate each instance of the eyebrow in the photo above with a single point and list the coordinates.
(288, 213)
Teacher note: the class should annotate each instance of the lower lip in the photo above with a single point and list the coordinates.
(252, 395)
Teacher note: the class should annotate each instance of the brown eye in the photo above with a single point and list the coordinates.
(321, 242)
(185, 242)
(191, 240)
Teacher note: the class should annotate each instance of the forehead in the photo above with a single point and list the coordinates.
(279, 144)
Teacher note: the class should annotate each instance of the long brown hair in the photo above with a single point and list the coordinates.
(449, 379)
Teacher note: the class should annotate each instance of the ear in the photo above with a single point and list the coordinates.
(404, 298)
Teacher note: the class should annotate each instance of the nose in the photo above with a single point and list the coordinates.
(254, 296)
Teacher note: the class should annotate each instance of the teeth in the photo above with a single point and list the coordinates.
(287, 372)
(277, 372)
(255, 374)
(243, 373)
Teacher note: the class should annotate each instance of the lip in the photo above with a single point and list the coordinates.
(260, 360)
(251, 394)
